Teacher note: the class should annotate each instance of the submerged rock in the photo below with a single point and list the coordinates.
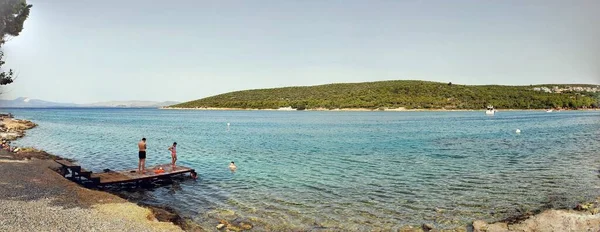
(427, 227)
(165, 214)
(409, 229)
(235, 225)
(480, 226)
(246, 225)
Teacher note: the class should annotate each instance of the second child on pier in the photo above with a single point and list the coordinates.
(173, 150)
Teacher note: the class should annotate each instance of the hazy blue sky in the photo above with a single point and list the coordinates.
(86, 51)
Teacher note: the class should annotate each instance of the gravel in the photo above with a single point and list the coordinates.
(35, 198)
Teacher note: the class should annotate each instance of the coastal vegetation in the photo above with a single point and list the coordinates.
(405, 94)
(13, 14)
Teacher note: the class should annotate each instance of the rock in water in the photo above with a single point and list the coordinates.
(246, 225)
(165, 214)
(427, 227)
(479, 226)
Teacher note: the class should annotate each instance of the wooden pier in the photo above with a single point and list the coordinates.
(76, 173)
(134, 176)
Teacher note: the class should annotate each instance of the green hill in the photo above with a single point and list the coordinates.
(407, 94)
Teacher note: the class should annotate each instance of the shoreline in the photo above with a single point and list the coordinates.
(364, 109)
(46, 200)
(104, 204)
(584, 216)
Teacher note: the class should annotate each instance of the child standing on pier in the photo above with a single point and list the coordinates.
(173, 150)
(142, 156)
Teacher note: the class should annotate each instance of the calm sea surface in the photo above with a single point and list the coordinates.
(352, 171)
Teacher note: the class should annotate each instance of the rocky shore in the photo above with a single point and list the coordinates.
(33, 197)
(549, 220)
(11, 129)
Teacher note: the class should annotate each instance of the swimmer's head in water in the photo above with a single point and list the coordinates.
(144, 139)
(175, 144)
(232, 162)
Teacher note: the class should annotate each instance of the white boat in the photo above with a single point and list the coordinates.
(289, 108)
(549, 111)
(490, 111)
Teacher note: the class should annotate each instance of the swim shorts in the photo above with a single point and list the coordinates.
(142, 154)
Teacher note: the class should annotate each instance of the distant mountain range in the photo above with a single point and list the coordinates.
(24, 102)
(132, 104)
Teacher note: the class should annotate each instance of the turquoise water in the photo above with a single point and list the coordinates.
(353, 171)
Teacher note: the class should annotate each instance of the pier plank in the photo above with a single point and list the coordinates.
(134, 176)
(66, 163)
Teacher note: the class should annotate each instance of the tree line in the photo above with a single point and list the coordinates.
(401, 93)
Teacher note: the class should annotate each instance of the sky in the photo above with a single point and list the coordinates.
(85, 51)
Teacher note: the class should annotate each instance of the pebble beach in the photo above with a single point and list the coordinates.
(35, 198)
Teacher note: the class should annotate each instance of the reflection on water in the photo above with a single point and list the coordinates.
(345, 170)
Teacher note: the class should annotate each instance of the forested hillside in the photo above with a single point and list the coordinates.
(407, 94)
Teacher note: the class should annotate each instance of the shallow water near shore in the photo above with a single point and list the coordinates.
(346, 170)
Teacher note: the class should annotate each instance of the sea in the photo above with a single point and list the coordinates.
(346, 171)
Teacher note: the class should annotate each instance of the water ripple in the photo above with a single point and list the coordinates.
(341, 171)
